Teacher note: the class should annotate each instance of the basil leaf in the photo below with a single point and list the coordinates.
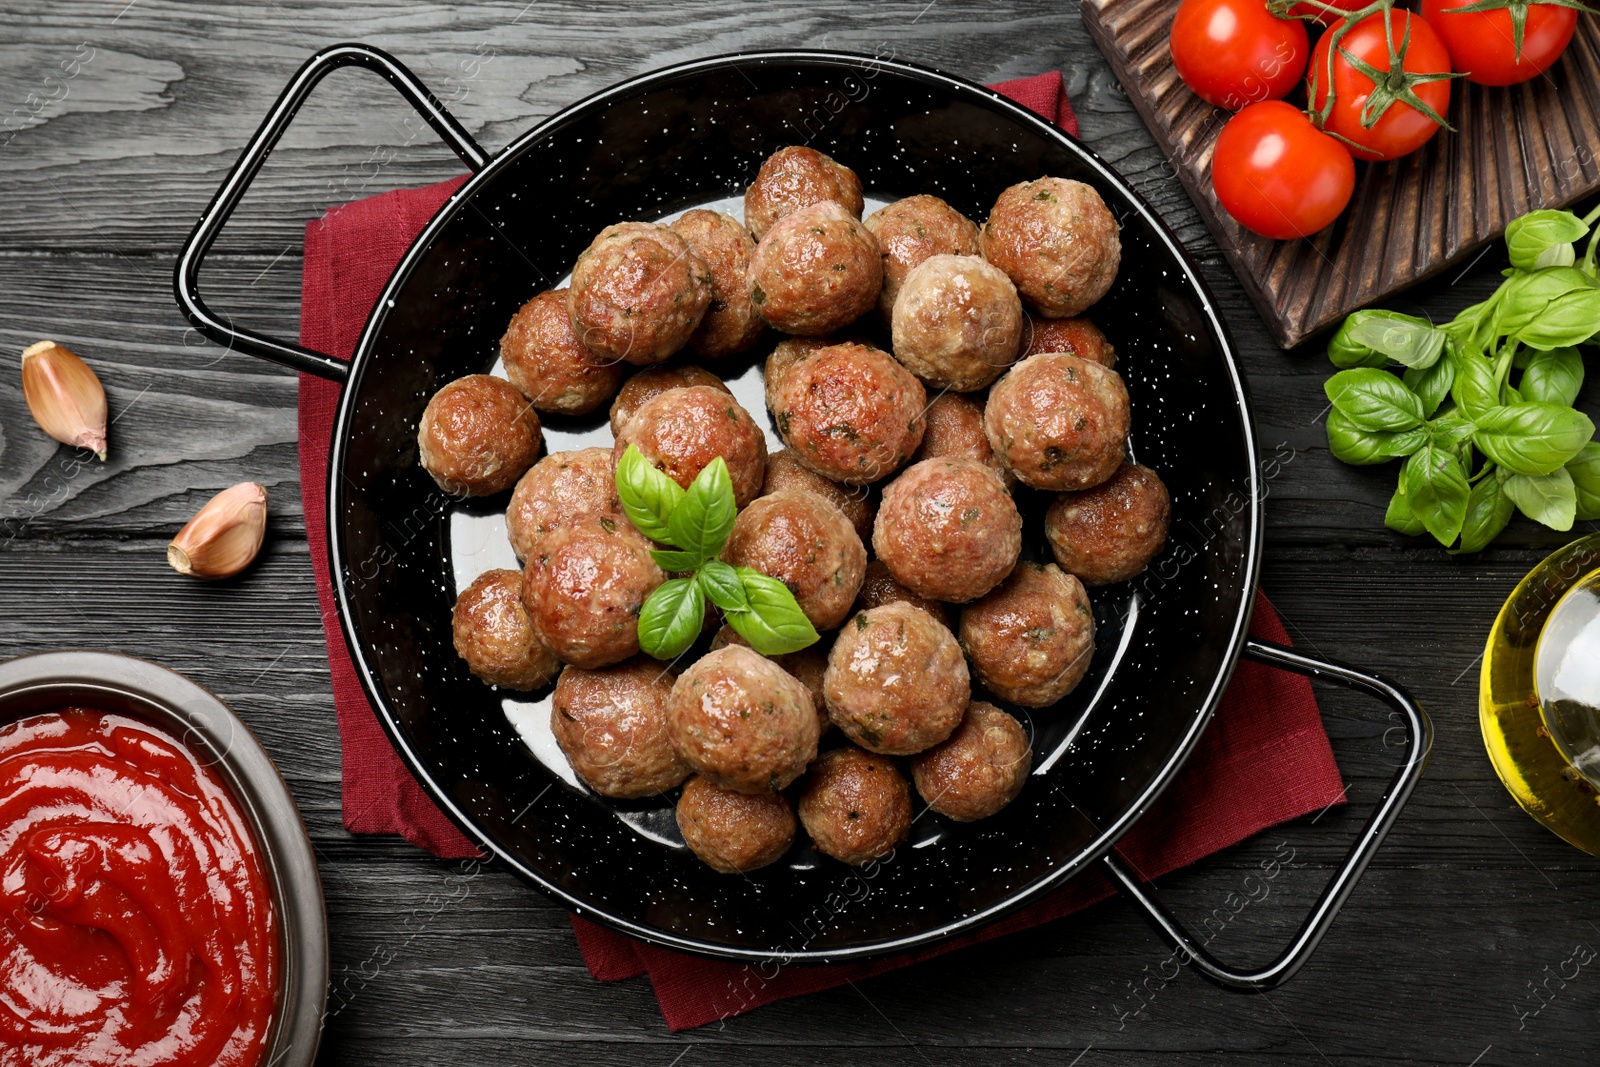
(1374, 338)
(674, 561)
(723, 587)
(1450, 429)
(648, 496)
(1351, 444)
(701, 522)
(1432, 384)
(1553, 377)
(1551, 499)
(1488, 511)
(1374, 399)
(672, 618)
(1567, 320)
(1475, 389)
(774, 625)
(1437, 491)
(1535, 234)
(1533, 439)
(1585, 471)
(1525, 297)
(1399, 517)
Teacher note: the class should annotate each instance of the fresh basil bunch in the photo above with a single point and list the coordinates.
(1497, 382)
(694, 525)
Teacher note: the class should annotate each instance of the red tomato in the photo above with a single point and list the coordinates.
(1279, 175)
(1483, 43)
(1232, 52)
(1328, 18)
(1402, 128)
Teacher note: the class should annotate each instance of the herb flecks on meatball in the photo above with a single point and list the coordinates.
(1057, 241)
(638, 292)
(816, 271)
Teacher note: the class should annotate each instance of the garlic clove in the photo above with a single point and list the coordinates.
(224, 536)
(65, 396)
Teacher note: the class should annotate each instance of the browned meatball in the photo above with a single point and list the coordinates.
(807, 665)
(955, 431)
(1057, 241)
(612, 725)
(638, 292)
(785, 355)
(561, 487)
(1076, 337)
(911, 230)
(477, 436)
(850, 413)
(785, 473)
(731, 831)
(547, 364)
(896, 681)
(855, 805)
(731, 323)
(742, 721)
(1058, 422)
(494, 635)
(796, 177)
(682, 430)
(1030, 641)
(878, 587)
(651, 382)
(979, 770)
(1111, 532)
(816, 271)
(957, 323)
(948, 529)
(585, 587)
(807, 544)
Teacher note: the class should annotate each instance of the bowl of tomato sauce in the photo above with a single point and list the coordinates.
(159, 897)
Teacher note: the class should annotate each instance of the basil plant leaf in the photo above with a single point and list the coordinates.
(701, 522)
(648, 496)
(674, 560)
(1567, 320)
(1399, 517)
(1432, 384)
(1535, 235)
(774, 625)
(1351, 444)
(1551, 499)
(1533, 439)
(1374, 399)
(1450, 429)
(1368, 335)
(671, 619)
(1553, 377)
(723, 587)
(1525, 298)
(1489, 509)
(1585, 471)
(1475, 389)
(1437, 491)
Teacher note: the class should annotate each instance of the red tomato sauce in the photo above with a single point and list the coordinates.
(136, 924)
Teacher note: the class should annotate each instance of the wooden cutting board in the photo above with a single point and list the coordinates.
(1514, 150)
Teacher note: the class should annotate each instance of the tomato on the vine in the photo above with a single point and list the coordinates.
(1504, 44)
(1391, 84)
(1327, 18)
(1279, 175)
(1233, 52)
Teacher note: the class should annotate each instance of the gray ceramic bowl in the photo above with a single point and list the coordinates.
(106, 681)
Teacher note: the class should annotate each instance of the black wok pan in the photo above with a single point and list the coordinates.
(648, 149)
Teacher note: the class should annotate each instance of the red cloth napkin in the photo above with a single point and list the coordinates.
(1265, 758)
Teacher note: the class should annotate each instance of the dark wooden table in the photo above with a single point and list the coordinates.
(1448, 953)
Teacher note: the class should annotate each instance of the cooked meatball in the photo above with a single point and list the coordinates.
(1058, 422)
(1076, 337)
(896, 681)
(955, 431)
(731, 323)
(807, 665)
(911, 230)
(1057, 241)
(979, 770)
(878, 587)
(561, 487)
(816, 271)
(638, 292)
(957, 323)
(785, 473)
(547, 364)
(948, 529)
(494, 635)
(742, 721)
(850, 413)
(1030, 641)
(807, 544)
(612, 725)
(585, 587)
(1111, 532)
(731, 831)
(785, 355)
(855, 805)
(682, 430)
(796, 177)
(477, 436)
(651, 382)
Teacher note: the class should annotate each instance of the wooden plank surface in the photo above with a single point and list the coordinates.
(1513, 150)
(1429, 964)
